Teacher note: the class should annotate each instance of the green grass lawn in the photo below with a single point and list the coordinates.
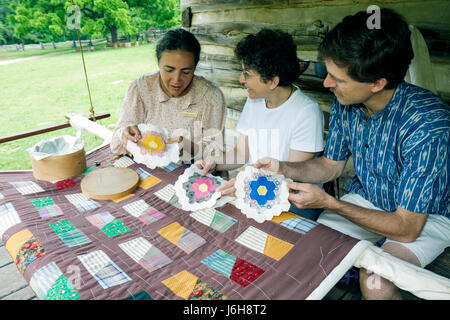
(38, 93)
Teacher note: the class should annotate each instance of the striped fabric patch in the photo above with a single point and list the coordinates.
(81, 202)
(27, 187)
(49, 283)
(167, 194)
(146, 254)
(69, 234)
(264, 243)
(171, 166)
(8, 217)
(123, 162)
(294, 222)
(151, 215)
(136, 208)
(183, 238)
(103, 269)
(214, 219)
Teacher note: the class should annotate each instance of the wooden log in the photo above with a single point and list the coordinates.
(29, 133)
(230, 33)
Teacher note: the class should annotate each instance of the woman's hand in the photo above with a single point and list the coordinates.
(131, 133)
(227, 188)
(268, 164)
(205, 166)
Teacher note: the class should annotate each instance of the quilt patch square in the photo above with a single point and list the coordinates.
(49, 283)
(264, 243)
(81, 202)
(234, 268)
(221, 262)
(103, 269)
(27, 187)
(151, 215)
(123, 162)
(136, 208)
(46, 207)
(245, 273)
(24, 248)
(168, 194)
(8, 217)
(149, 182)
(146, 254)
(183, 238)
(295, 222)
(189, 287)
(106, 222)
(214, 219)
(204, 291)
(171, 166)
(69, 234)
(139, 296)
(66, 184)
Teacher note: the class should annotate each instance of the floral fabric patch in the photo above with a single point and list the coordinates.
(189, 287)
(25, 249)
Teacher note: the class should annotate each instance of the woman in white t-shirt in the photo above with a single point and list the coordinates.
(278, 119)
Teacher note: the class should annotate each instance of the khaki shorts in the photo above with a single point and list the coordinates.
(432, 241)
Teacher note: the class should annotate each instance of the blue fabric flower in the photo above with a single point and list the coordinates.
(262, 190)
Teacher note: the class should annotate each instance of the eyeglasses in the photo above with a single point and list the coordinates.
(247, 75)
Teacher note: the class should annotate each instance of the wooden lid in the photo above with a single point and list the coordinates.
(109, 183)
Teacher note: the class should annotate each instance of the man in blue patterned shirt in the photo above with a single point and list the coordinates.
(398, 137)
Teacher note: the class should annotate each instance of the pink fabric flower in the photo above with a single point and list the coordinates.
(202, 187)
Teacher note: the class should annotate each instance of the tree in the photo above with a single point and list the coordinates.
(41, 20)
(102, 17)
(47, 20)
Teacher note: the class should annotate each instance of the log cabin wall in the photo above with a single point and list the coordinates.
(220, 24)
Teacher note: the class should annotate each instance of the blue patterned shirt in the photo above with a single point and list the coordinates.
(400, 155)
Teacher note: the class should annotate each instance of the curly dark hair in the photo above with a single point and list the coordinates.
(370, 54)
(270, 53)
(179, 39)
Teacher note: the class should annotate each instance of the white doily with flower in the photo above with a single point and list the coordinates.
(261, 195)
(152, 150)
(196, 192)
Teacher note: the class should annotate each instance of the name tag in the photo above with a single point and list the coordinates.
(190, 114)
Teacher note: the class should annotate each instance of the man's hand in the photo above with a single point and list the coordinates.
(268, 164)
(310, 196)
(205, 166)
(227, 188)
(131, 133)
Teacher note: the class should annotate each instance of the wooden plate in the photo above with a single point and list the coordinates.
(109, 183)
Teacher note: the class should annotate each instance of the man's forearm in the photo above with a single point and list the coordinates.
(388, 224)
(318, 170)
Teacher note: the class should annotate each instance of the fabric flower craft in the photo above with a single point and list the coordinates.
(260, 195)
(152, 150)
(195, 191)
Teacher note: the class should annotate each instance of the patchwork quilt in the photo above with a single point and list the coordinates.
(144, 246)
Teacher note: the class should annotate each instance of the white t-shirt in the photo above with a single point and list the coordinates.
(297, 124)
